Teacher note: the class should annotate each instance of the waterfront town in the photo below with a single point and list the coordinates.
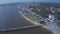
(46, 14)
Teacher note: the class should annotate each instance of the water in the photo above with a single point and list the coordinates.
(36, 30)
(11, 18)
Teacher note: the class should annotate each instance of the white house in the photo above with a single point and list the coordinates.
(51, 17)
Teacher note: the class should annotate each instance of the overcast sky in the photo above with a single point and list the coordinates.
(14, 1)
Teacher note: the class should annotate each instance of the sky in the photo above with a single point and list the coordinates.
(15, 1)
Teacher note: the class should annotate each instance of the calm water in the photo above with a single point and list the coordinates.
(10, 18)
(36, 30)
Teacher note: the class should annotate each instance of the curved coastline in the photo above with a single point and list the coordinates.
(36, 23)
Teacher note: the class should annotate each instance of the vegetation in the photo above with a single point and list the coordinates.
(31, 17)
(41, 12)
(42, 22)
(58, 24)
(57, 14)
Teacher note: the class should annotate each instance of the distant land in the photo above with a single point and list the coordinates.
(29, 3)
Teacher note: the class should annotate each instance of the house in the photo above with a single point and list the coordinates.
(51, 17)
(58, 9)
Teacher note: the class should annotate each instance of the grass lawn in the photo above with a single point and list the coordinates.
(31, 17)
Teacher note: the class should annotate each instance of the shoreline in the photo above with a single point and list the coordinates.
(33, 22)
(36, 23)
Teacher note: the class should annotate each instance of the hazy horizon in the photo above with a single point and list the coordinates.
(15, 1)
